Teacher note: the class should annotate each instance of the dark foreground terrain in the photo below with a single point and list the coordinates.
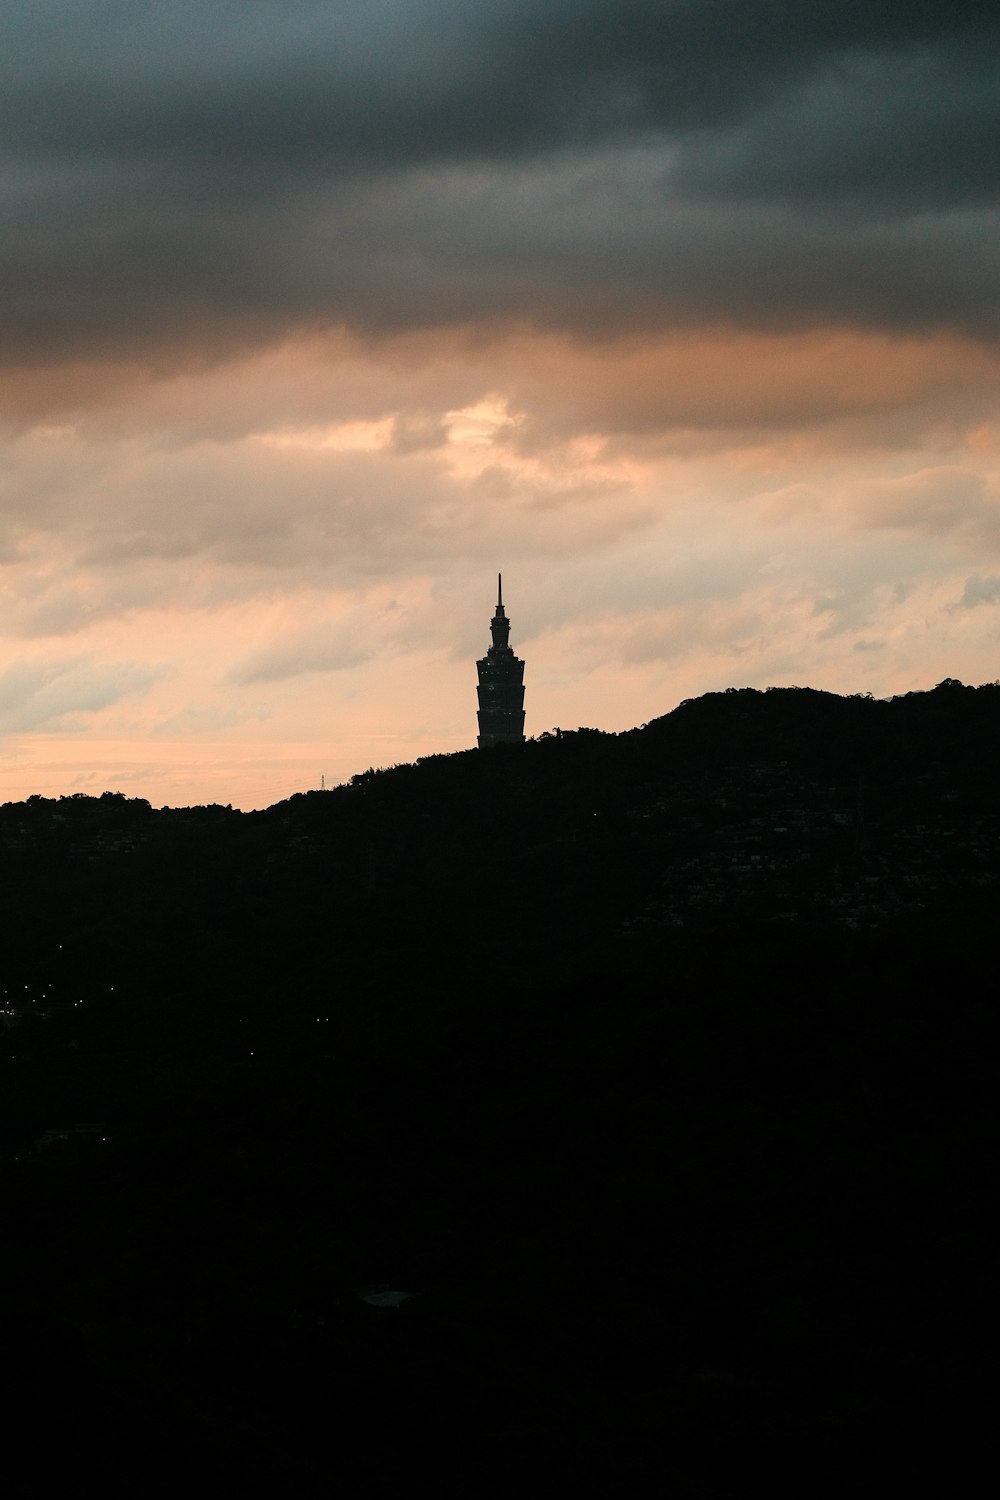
(657, 1070)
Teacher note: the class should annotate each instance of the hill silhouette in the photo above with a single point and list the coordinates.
(655, 1066)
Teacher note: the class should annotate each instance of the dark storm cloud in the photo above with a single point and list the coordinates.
(914, 129)
(390, 81)
(220, 172)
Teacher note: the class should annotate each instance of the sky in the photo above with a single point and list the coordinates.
(316, 314)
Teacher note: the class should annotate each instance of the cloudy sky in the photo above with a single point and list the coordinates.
(316, 313)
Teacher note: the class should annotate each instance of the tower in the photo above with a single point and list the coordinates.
(501, 685)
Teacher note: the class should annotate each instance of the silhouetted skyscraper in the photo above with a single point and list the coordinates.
(501, 685)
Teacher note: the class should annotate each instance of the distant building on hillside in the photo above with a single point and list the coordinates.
(501, 685)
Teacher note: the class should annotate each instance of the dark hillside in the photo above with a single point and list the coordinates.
(660, 1068)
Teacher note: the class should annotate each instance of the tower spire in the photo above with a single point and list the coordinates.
(499, 591)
